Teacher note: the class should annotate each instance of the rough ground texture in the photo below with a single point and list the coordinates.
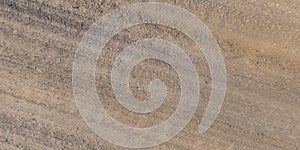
(259, 41)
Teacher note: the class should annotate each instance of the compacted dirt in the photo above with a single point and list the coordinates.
(259, 41)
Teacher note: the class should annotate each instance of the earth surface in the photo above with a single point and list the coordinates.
(259, 41)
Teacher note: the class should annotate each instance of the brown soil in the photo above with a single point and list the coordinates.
(260, 43)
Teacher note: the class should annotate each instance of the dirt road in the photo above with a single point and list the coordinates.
(259, 41)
